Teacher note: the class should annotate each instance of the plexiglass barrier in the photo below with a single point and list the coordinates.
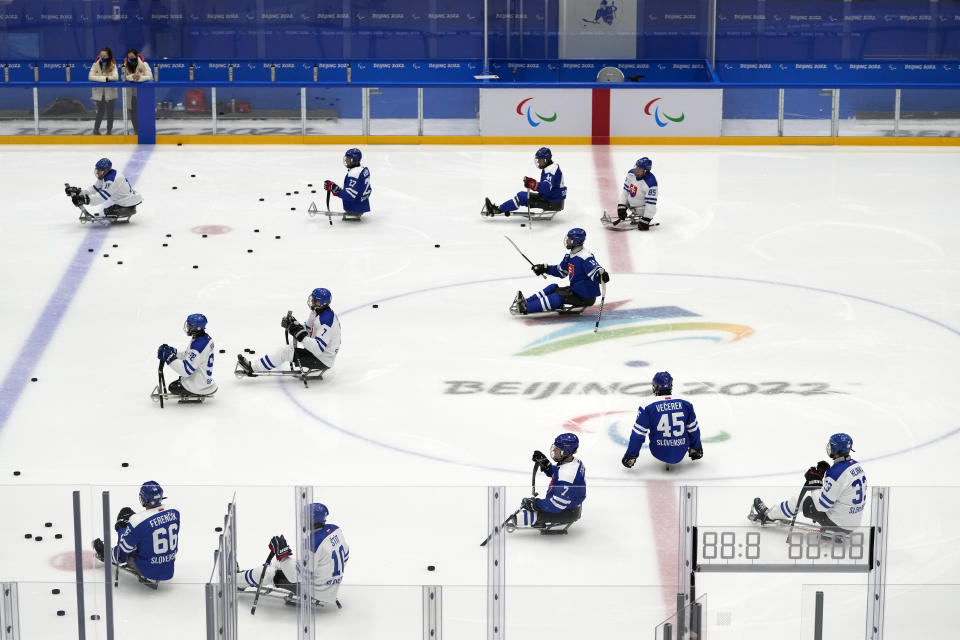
(688, 623)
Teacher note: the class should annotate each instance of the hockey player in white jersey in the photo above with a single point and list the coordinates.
(834, 494)
(194, 364)
(330, 555)
(112, 192)
(148, 541)
(318, 339)
(638, 197)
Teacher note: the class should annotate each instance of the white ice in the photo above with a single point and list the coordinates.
(817, 289)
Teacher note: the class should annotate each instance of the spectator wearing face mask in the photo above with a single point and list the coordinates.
(135, 69)
(104, 70)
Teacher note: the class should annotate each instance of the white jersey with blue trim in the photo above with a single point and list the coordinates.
(844, 493)
(324, 339)
(195, 366)
(330, 555)
(150, 538)
(115, 187)
(640, 195)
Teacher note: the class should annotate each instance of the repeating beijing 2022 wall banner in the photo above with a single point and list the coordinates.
(666, 112)
(535, 112)
(598, 29)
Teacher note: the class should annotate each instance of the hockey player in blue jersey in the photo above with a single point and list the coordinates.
(316, 341)
(148, 540)
(834, 494)
(567, 491)
(194, 364)
(547, 193)
(356, 189)
(674, 422)
(585, 277)
(330, 555)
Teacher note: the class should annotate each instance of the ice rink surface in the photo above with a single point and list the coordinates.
(791, 292)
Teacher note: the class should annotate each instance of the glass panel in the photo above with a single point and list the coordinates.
(749, 112)
(258, 111)
(183, 110)
(68, 110)
(451, 111)
(16, 111)
(866, 112)
(806, 112)
(393, 111)
(930, 112)
(690, 622)
(334, 111)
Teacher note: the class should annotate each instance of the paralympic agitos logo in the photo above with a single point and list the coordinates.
(529, 112)
(657, 113)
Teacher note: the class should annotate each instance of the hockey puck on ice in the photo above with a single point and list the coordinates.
(375, 306)
(218, 529)
(94, 617)
(430, 567)
(293, 208)
(164, 244)
(48, 524)
(61, 612)
(276, 237)
(38, 538)
(28, 535)
(119, 261)
(437, 246)
(193, 175)
(179, 144)
(523, 224)
(223, 350)
(89, 250)
(196, 266)
(58, 536)
(173, 187)
(256, 230)
(33, 379)
(288, 193)
(204, 236)
(106, 255)
(124, 464)
(16, 473)
(296, 192)
(313, 190)
(249, 250)
(261, 199)
(115, 246)
(169, 236)
(309, 184)
(55, 591)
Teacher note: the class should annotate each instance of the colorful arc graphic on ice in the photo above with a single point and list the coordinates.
(738, 332)
(656, 114)
(529, 118)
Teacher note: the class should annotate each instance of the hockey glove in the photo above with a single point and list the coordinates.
(814, 475)
(297, 330)
(278, 545)
(627, 461)
(332, 187)
(80, 199)
(695, 454)
(622, 211)
(166, 353)
(531, 184)
(287, 320)
(604, 276)
(123, 519)
(539, 269)
(529, 504)
(71, 191)
(98, 549)
(542, 461)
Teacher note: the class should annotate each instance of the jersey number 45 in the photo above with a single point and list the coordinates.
(671, 421)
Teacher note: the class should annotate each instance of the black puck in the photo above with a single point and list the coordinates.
(309, 184)
(196, 266)
(106, 255)
(293, 208)
(48, 524)
(523, 224)
(430, 567)
(506, 214)
(256, 230)
(223, 350)
(218, 529)
(16, 473)
(124, 464)
(313, 190)
(58, 536)
(376, 306)
(252, 352)
(249, 250)
(33, 379)
(179, 144)
(193, 175)
(38, 538)
(276, 237)
(173, 187)
(119, 261)
(204, 236)
(296, 192)
(164, 244)
(61, 612)
(28, 535)
(94, 617)
(288, 193)
(55, 591)
(89, 250)
(437, 246)
(115, 246)
(261, 199)
(169, 236)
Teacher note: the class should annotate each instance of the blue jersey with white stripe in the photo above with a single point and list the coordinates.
(356, 190)
(674, 427)
(551, 185)
(844, 493)
(582, 269)
(150, 539)
(568, 487)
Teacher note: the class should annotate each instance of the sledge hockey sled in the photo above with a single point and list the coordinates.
(627, 224)
(534, 215)
(104, 220)
(558, 527)
(833, 535)
(190, 398)
(287, 596)
(348, 216)
(302, 373)
(147, 582)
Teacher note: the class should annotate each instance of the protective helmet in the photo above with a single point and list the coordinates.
(319, 513)
(543, 153)
(151, 494)
(319, 299)
(840, 444)
(565, 444)
(353, 155)
(577, 237)
(662, 381)
(195, 324)
(103, 164)
(645, 163)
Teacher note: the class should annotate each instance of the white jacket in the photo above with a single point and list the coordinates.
(143, 72)
(98, 74)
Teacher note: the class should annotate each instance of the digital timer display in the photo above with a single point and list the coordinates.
(746, 549)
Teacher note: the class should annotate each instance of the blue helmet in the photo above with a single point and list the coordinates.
(543, 153)
(103, 164)
(151, 494)
(645, 163)
(353, 155)
(840, 444)
(577, 237)
(566, 444)
(319, 299)
(195, 324)
(319, 513)
(662, 381)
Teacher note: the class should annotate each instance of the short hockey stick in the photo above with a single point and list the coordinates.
(603, 295)
(163, 384)
(529, 219)
(522, 254)
(533, 487)
(286, 334)
(796, 511)
(256, 598)
(329, 217)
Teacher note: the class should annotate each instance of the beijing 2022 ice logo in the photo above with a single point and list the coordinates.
(657, 113)
(530, 113)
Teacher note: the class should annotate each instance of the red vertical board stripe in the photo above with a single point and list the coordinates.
(601, 116)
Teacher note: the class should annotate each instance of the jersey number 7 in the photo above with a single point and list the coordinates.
(678, 426)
